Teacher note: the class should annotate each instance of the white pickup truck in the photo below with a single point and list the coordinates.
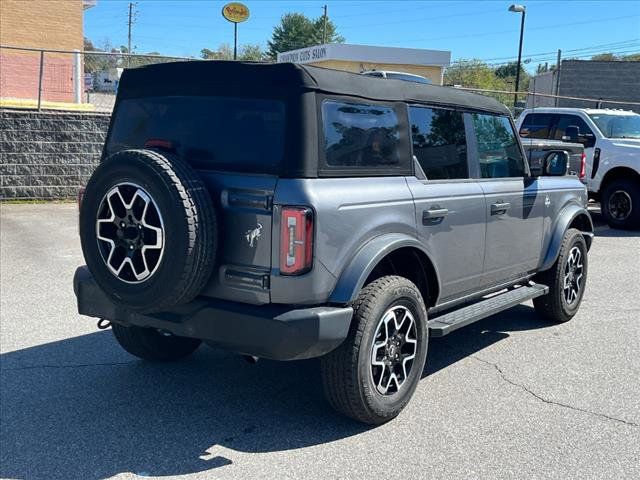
(611, 139)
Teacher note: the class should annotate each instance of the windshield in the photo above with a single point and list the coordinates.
(617, 126)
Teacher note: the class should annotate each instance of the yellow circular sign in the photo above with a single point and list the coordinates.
(235, 12)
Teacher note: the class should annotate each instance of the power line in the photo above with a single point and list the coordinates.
(486, 34)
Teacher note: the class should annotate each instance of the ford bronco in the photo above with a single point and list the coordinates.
(318, 213)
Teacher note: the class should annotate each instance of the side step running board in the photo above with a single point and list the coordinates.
(444, 324)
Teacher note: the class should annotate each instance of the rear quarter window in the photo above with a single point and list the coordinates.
(363, 138)
(221, 133)
(536, 125)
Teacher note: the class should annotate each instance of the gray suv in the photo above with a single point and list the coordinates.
(289, 212)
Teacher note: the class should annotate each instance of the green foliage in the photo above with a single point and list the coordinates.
(474, 74)
(634, 57)
(298, 31)
(478, 74)
(248, 52)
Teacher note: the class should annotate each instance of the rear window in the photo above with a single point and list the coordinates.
(536, 125)
(358, 135)
(232, 134)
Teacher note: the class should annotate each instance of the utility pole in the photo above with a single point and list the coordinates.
(130, 23)
(324, 29)
(558, 65)
(518, 9)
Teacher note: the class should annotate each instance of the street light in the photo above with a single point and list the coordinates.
(518, 9)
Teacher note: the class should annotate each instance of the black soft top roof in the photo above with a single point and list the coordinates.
(204, 77)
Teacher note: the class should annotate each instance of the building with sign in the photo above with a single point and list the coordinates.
(359, 58)
(35, 24)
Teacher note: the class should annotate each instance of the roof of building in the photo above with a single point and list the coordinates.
(367, 54)
(286, 79)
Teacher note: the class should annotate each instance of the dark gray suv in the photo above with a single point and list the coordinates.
(289, 212)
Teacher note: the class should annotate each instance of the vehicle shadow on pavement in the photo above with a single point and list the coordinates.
(603, 230)
(462, 343)
(81, 408)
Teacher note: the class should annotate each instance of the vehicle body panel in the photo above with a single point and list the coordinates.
(613, 152)
(456, 240)
(536, 150)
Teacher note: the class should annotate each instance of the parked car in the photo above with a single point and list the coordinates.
(612, 146)
(536, 150)
(319, 213)
(407, 77)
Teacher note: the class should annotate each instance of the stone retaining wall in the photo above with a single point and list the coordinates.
(48, 155)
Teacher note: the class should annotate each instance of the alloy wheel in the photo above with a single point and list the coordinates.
(130, 233)
(573, 275)
(394, 349)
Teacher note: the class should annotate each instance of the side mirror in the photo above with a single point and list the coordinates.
(556, 163)
(571, 134)
(587, 139)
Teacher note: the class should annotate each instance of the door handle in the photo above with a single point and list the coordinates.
(500, 208)
(434, 213)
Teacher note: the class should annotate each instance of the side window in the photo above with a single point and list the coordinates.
(536, 125)
(360, 135)
(498, 149)
(570, 120)
(439, 142)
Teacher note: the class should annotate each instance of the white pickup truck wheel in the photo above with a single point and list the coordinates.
(620, 204)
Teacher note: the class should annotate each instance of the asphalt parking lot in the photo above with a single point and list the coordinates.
(508, 397)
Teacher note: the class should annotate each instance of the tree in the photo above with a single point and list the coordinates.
(508, 72)
(248, 52)
(605, 57)
(298, 31)
(474, 74)
(251, 52)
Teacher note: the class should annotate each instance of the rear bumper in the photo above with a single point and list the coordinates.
(277, 332)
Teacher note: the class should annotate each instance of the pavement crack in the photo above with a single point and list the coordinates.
(76, 365)
(548, 401)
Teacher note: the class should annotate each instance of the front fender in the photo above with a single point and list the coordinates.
(565, 218)
(365, 260)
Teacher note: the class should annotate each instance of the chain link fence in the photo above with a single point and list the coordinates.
(65, 80)
(88, 81)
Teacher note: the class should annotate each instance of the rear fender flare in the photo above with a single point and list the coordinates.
(352, 278)
(566, 217)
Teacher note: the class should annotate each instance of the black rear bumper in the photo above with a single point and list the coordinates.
(276, 332)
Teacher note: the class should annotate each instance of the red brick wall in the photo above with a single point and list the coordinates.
(19, 74)
(52, 24)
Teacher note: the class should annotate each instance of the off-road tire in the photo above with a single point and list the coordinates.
(553, 305)
(632, 189)
(190, 233)
(346, 378)
(150, 344)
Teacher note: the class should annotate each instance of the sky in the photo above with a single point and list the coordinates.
(484, 30)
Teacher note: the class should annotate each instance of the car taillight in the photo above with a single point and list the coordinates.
(583, 166)
(296, 240)
(159, 143)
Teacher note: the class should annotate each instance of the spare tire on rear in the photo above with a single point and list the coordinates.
(148, 230)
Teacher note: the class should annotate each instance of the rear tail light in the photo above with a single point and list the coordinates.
(583, 166)
(159, 143)
(296, 240)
